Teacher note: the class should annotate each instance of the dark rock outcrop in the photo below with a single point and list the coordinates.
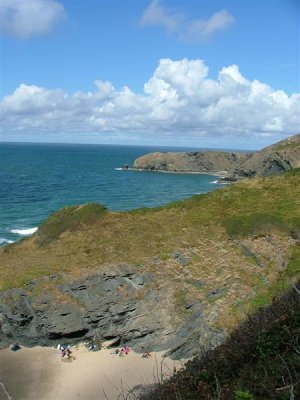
(121, 307)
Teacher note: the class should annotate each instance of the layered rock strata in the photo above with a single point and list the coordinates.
(182, 311)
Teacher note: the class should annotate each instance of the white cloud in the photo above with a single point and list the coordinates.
(156, 14)
(233, 73)
(26, 18)
(202, 29)
(180, 102)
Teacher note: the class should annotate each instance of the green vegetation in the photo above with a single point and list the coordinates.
(69, 219)
(240, 394)
(82, 238)
(180, 300)
(252, 224)
(287, 146)
(259, 361)
(291, 144)
(293, 267)
(265, 295)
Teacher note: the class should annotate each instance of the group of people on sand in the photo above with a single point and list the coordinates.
(125, 350)
(66, 352)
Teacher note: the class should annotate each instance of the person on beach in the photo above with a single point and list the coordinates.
(146, 354)
(121, 354)
(68, 353)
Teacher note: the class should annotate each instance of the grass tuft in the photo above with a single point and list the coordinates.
(69, 219)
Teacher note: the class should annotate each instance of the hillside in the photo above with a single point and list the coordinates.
(279, 157)
(175, 277)
(260, 360)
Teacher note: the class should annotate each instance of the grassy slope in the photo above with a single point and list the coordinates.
(98, 237)
(77, 240)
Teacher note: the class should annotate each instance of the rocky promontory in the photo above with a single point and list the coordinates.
(215, 162)
(280, 157)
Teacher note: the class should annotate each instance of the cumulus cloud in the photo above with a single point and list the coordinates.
(179, 101)
(156, 14)
(26, 18)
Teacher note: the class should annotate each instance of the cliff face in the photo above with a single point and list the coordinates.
(135, 305)
(277, 158)
(206, 162)
(120, 306)
(176, 278)
(280, 157)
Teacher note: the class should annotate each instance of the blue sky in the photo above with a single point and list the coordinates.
(201, 73)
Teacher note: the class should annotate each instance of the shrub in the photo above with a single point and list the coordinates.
(240, 394)
(69, 219)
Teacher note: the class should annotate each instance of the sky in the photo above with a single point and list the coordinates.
(195, 73)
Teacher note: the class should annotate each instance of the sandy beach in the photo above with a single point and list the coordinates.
(40, 373)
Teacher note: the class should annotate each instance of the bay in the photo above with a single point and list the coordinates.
(38, 179)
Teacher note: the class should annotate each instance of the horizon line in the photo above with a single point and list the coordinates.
(128, 145)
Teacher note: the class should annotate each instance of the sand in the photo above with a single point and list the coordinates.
(40, 373)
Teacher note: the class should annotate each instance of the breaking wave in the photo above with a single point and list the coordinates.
(24, 232)
(5, 241)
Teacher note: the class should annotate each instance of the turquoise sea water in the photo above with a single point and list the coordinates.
(37, 179)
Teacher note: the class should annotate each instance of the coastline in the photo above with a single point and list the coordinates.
(40, 373)
(220, 174)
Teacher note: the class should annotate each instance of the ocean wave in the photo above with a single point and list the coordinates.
(5, 241)
(215, 181)
(24, 232)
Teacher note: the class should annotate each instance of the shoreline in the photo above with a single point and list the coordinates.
(40, 373)
(221, 181)
(221, 174)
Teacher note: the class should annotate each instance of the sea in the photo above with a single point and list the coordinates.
(38, 179)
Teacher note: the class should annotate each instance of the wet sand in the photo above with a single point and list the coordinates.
(40, 373)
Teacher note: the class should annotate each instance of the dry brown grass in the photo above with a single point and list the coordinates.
(200, 222)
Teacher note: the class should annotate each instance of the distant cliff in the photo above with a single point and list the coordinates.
(280, 157)
(216, 162)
